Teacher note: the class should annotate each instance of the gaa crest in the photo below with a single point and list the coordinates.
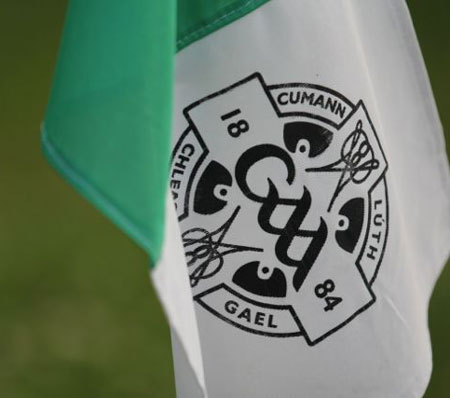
(281, 196)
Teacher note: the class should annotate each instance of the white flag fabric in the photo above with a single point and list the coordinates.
(312, 190)
(170, 282)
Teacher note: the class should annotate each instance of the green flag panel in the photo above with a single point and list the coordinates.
(107, 127)
(107, 122)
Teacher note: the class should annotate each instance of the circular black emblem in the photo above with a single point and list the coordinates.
(282, 202)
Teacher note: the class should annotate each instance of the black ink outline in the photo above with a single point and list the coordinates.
(194, 169)
(289, 308)
(366, 236)
(344, 323)
(377, 267)
(353, 107)
(269, 89)
(255, 75)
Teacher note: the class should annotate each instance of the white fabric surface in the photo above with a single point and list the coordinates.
(365, 50)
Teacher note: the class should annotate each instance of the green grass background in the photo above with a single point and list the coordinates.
(78, 317)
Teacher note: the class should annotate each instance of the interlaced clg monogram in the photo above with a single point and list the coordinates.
(270, 203)
(282, 200)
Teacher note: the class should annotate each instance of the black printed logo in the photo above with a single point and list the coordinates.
(282, 201)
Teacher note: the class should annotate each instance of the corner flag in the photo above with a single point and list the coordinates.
(286, 173)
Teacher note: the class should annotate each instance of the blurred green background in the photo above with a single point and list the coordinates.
(78, 316)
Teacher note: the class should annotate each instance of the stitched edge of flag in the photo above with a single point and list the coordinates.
(81, 184)
(220, 19)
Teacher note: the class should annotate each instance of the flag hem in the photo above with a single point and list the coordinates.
(219, 20)
(83, 186)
